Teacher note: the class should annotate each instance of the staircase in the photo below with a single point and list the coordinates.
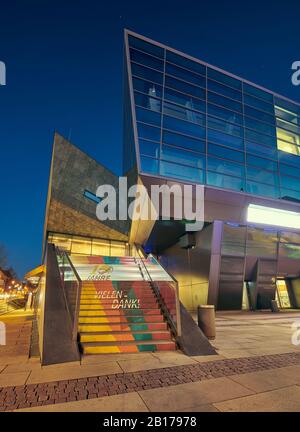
(121, 317)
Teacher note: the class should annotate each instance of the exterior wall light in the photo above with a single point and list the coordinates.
(273, 216)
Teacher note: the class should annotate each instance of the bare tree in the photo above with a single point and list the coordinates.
(3, 257)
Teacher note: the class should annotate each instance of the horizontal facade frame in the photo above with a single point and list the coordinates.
(194, 59)
(204, 88)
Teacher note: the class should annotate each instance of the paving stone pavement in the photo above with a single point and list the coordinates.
(33, 395)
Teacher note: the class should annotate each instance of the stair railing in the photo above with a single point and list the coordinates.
(175, 324)
(72, 286)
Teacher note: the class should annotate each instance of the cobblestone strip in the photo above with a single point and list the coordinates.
(88, 388)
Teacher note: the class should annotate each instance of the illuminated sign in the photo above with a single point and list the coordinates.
(100, 272)
(273, 216)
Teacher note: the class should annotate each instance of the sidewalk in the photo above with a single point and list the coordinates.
(257, 369)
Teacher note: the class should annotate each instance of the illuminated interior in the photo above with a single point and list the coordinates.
(273, 216)
(282, 295)
(288, 141)
(91, 246)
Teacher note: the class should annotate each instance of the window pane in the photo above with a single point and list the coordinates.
(148, 132)
(289, 158)
(223, 167)
(61, 240)
(225, 114)
(290, 182)
(175, 155)
(224, 101)
(147, 102)
(184, 141)
(254, 91)
(184, 87)
(288, 126)
(288, 136)
(147, 87)
(260, 138)
(288, 148)
(149, 165)
(261, 150)
(257, 103)
(226, 182)
(226, 79)
(290, 195)
(261, 176)
(262, 163)
(145, 46)
(91, 196)
(286, 105)
(182, 172)
(260, 127)
(227, 140)
(146, 60)
(146, 73)
(225, 153)
(148, 116)
(252, 112)
(289, 170)
(261, 189)
(185, 75)
(290, 116)
(185, 100)
(229, 128)
(184, 114)
(183, 127)
(149, 148)
(117, 249)
(81, 245)
(185, 62)
(100, 247)
(224, 90)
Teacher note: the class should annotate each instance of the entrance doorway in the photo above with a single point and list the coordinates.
(282, 294)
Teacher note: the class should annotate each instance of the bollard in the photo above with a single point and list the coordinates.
(206, 320)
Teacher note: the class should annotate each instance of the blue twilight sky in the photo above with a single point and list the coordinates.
(64, 72)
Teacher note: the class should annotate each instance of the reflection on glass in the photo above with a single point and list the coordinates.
(154, 104)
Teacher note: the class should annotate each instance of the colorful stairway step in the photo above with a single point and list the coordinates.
(125, 337)
(121, 319)
(120, 312)
(111, 328)
(128, 348)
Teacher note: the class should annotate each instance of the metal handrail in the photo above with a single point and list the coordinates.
(78, 294)
(177, 294)
(177, 327)
(62, 281)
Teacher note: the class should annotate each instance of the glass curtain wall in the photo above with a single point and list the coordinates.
(90, 246)
(197, 124)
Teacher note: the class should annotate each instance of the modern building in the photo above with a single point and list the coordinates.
(189, 122)
(185, 122)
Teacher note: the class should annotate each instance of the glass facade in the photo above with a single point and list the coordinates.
(91, 246)
(250, 240)
(197, 124)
